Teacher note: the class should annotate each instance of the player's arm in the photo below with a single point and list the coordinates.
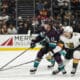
(58, 47)
(37, 39)
(40, 37)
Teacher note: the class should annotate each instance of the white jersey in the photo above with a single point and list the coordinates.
(71, 43)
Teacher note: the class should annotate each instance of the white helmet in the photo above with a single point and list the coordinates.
(68, 29)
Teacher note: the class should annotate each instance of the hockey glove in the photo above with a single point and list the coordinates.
(32, 45)
(44, 43)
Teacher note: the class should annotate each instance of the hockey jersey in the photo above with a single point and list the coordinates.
(71, 43)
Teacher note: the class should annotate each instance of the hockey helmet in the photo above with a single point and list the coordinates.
(68, 29)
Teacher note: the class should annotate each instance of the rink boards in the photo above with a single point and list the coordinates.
(17, 49)
(16, 42)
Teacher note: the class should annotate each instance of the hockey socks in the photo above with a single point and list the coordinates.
(60, 65)
(36, 64)
(52, 61)
(34, 69)
(75, 65)
(60, 69)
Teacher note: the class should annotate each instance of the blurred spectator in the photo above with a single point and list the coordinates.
(12, 29)
(35, 25)
(0, 30)
(4, 7)
(12, 20)
(7, 16)
(4, 29)
(26, 27)
(65, 12)
(21, 28)
(0, 23)
(47, 5)
(43, 14)
(19, 20)
(39, 6)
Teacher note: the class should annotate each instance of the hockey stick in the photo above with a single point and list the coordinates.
(14, 58)
(17, 65)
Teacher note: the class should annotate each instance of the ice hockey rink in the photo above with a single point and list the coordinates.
(22, 72)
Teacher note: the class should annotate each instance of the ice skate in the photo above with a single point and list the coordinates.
(33, 71)
(73, 72)
(50, 66)
(58, 71)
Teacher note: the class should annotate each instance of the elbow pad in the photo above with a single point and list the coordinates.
(57, 49)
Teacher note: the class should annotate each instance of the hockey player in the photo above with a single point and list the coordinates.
(71, 43)
(49, 57)
(48, 34)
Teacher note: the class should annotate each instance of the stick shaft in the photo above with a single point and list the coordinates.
(17, 65)
(14, 58)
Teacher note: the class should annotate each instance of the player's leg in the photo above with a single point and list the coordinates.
(63, 53)
(68, 56)
(38, 59)
(49, 57)
(61, 68)
(52, 60)
(76, 58)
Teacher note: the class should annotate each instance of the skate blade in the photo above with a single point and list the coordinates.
(50, 67)
(32, 73)
(72, 75)
(53, 73)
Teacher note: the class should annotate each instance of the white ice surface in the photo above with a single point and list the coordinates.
(22, 72)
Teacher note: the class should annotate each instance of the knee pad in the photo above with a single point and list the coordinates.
(49, 56)
(76, 54)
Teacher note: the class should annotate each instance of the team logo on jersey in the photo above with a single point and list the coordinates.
(70, 45)
(8, 42)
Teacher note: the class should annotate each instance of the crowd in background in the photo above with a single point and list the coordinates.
(8, 17)
(56, 12)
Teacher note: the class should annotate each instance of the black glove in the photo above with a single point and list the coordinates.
(44, 43)
(32, 45)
